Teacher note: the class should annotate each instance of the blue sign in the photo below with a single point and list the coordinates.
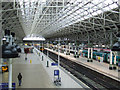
(119, 64)
(4, 60)
(54, 64)
(56, 72)
(5, 86)
(6, 83)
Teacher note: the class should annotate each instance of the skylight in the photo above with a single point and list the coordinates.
(36, 18)
(88, 10)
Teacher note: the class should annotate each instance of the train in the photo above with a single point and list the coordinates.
(39, 46)
(100, 56)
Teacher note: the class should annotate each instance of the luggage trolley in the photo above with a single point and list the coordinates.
(57, 79)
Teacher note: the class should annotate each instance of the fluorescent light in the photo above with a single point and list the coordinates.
(4, 39)
(34, 39)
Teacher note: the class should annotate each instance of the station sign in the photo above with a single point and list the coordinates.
(56, 72)
(54, 64)
(4, 68)
(4, 86)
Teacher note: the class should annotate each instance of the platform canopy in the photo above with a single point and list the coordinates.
(73, 19)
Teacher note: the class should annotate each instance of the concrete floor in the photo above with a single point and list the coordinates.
(67, 79)
(37, 75)
(34, 75)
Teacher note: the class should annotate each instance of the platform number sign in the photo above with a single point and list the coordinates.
(56, 72)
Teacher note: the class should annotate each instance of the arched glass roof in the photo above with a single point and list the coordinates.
(54, 18)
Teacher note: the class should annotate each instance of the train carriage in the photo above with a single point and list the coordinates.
(101, 56)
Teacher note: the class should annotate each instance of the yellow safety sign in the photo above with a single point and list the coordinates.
(98, 58)
(4, 68)
(30, 61)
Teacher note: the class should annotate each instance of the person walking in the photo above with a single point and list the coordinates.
(19, 78)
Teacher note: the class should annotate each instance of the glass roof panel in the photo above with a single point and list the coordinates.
(75, 11)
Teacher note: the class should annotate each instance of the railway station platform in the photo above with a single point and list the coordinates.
(67, 79)
(100, 67)
(37, 75)
(89, 28)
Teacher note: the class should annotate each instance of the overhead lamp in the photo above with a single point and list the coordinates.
(4, 39)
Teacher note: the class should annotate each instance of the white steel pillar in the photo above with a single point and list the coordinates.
(69, 48)
(39, 46)
(66, 47)
(110, 66)
(72, 46)
(75, 48)
(91, 54)
(14, 4)
(0, 34)
(119, 8)
(47, 55)
(75, 54)
(10, 73)
(0, 25)
(10, 65)
(0, 22)
(88, 53)
(88, 48)
(114, 67)
(58, 52)
(42, 51)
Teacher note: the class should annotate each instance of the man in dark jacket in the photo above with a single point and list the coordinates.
(19, 78)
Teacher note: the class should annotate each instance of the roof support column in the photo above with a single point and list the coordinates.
(14, 4)
(47, 54)
(58, 52)
(0, 33)
(88, 47)
(0, 22)
(66, 47)
(76, 51)
(111, 43)
(114, 66)
(42, 51)
(91, 54)
(119, 9)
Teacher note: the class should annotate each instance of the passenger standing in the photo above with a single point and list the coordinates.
(19, 78)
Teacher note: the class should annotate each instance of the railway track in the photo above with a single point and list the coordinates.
(91, 78)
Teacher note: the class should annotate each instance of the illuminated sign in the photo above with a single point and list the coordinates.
(4, 68)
